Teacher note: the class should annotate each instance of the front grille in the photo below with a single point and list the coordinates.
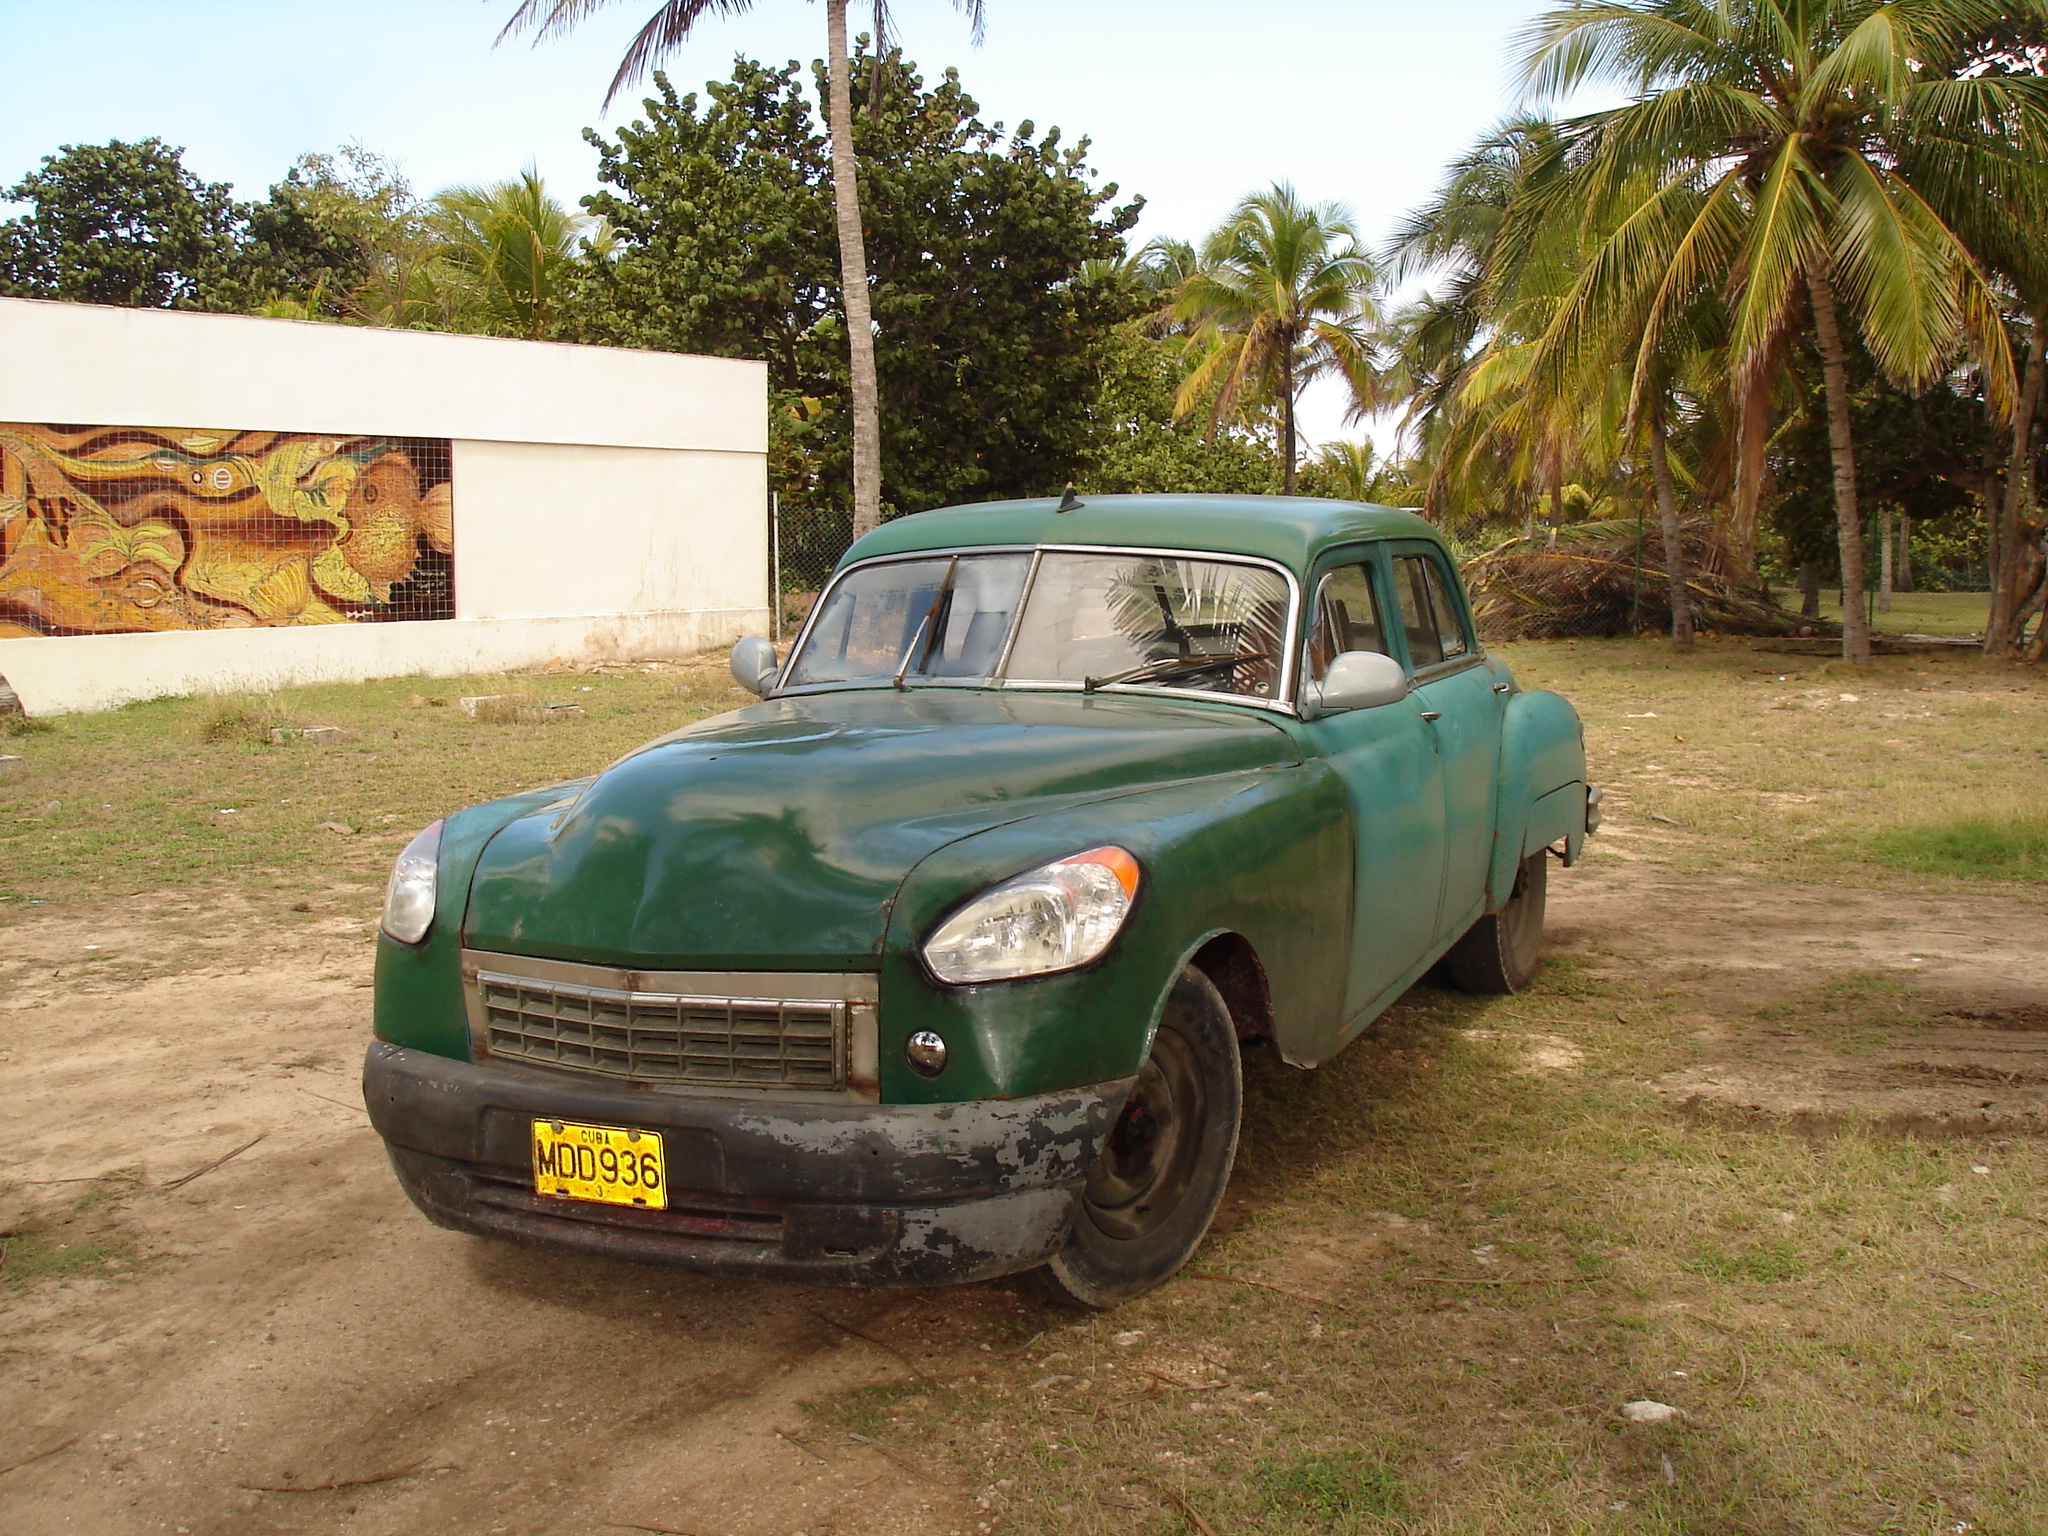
(654, 1037)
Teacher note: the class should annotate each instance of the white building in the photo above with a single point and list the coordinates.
(209, 503)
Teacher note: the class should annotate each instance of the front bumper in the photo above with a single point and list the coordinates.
(838, 1193)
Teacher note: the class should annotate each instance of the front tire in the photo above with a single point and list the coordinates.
(1155, 1186)
(1498, 953)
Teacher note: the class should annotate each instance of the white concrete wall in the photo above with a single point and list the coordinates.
(607, 502)
(124, 367)
(79, 672)
(545, 529)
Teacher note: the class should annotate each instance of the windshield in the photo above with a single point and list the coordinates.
(1099, 620)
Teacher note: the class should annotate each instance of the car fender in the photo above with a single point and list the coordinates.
(1542, 786)
(418, 987)
(1263, 853)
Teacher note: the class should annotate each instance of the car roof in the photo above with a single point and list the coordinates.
(1292, 530)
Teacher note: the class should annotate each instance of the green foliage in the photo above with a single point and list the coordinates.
(1329, 1492)
(1981, 847)
(313, 249)
(1138, 444)
(1915, 452)
(120, 223)
(989, 321)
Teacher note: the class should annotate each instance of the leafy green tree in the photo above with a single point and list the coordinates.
(1799, 154)
(1139, 443)
(664, 32)
(323, 233)
(120, 223)
(1283, 295)
(988, 326)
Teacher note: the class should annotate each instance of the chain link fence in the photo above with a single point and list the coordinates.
(805, 545)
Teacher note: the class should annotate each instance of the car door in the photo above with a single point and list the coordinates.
(1462, 696)
(1392, 773)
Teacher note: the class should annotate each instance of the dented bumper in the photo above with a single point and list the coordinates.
(852, 1194)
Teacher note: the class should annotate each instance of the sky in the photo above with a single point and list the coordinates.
(1190, 104)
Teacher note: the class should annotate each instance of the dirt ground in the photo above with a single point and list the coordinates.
(291, 1348)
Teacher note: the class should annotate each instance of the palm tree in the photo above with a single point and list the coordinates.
(665, 31)
(1283, 294)
(509, 251)
(1796, 155)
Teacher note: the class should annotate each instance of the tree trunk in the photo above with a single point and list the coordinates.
(1884, 560)
(1842, 448)
(1903, 574)
(1674, 543)
(2033, 650)
(2011, 569)
(1287, 432)
(1809, 589)
(853, 277)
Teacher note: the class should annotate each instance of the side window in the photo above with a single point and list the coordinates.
(1418, 611)
(1450, 629)
(1347, 618)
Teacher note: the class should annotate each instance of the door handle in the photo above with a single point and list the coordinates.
(1432, 714)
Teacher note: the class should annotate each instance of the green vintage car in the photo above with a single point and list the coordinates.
(938, 963)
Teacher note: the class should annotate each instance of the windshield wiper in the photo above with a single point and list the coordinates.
(927, 635)
(1168, 666)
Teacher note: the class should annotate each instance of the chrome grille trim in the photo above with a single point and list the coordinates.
(747, 1032)
(651, 1037)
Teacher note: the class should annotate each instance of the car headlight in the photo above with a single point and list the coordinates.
(1051, 918)
(409, 898)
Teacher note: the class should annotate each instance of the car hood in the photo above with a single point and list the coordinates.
(775, 837)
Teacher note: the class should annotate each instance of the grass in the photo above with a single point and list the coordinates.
(177, 795)
(1328, 1492)
(81, 1239)
(1738, 757)
(2012, 847)
(1923, 613)
(1851, 1012)
(1852, 1326)
(28, 1258)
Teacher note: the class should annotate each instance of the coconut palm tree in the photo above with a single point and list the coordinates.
(1284, 294)
(1797, 156)
(508, 250)
(665, 31)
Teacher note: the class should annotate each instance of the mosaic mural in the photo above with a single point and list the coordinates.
(107, 530)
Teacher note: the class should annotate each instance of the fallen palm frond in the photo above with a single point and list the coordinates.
(1608, 578)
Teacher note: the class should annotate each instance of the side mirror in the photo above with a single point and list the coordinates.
(1357, 680)
(754, 665)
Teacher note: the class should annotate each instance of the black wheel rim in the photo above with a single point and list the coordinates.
(1149, 1160)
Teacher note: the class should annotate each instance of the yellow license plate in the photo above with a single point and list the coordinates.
(599, 1162)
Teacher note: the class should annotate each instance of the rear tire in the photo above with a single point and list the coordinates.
(1155, 1186)
(1498, 953)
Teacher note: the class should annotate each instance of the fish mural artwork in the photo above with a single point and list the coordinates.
(119, 530)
